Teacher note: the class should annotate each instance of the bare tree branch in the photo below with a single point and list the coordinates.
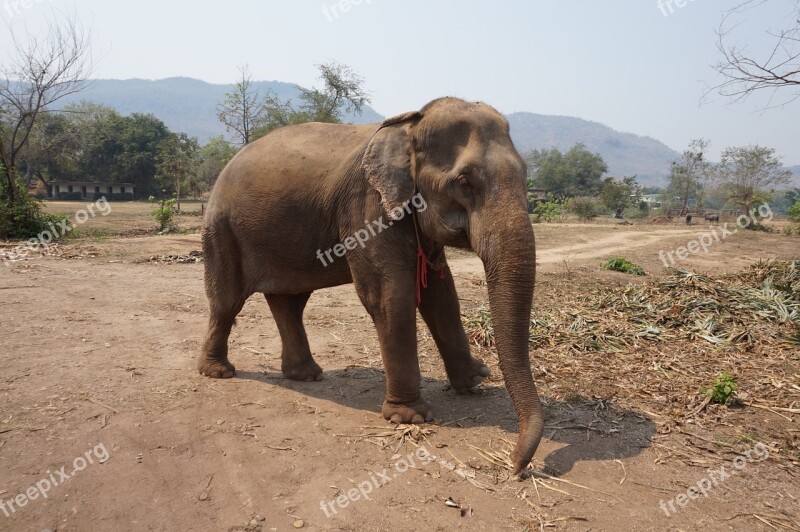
(43, 71)
(243, 109)
(745, 72)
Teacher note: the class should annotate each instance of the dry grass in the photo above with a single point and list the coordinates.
(655, 346)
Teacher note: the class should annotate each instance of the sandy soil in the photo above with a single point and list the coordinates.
(98, 356)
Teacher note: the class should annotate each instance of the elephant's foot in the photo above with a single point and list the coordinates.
(309, 371)
(216, 368)
(417, 412)
(468, 375)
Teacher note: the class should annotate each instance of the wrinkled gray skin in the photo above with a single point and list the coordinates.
(308, 187)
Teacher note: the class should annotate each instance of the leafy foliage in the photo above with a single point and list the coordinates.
(793, 213)
(577, 172)
(549, 211)
(177, 161)
(342, 92)
(23, 218)
(584, 208)
(163, 213)
(616, 195)
(748, 174)
(620, 264)
(689, 175)
(723, 389)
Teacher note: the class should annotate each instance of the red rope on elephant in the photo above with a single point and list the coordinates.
(422, 261)
(422, 272)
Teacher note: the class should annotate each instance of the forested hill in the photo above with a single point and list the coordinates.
(625, 153)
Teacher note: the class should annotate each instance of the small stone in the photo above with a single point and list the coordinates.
(204, 496)
(299, 523)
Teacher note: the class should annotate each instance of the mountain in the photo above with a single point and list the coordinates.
(625, 154)
(189, 105)
(184, 104)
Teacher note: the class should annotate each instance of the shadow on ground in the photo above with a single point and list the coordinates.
(590, 428)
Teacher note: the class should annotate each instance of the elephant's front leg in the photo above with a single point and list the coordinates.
(442, 314)
(390, 300)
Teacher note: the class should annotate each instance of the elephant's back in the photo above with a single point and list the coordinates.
(286, 180)
(296, 156)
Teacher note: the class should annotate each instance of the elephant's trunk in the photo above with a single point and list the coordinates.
(507, 249)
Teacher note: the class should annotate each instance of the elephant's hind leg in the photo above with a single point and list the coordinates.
(214, 359)
(226, 297)
(296, 360)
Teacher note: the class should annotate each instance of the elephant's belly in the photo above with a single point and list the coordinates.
(294, 279)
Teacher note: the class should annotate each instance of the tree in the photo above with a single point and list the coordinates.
(213, 158)
(576, 173)
(140, 137)
(343, 92)
(793, 212)
(177, 162)
(243, 110)
(745, 72)
(616, 195)
(42, 72)
(747, 175)
(689, 174)
(47, 154)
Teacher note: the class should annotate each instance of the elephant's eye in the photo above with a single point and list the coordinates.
(463, 182)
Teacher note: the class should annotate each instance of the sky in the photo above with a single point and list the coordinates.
(635, 65)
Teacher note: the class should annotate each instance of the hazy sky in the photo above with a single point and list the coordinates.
(626, 63)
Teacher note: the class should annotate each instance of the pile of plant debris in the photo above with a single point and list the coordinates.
(661, 346)
(759, 306)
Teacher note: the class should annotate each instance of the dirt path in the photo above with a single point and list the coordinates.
(98, 362)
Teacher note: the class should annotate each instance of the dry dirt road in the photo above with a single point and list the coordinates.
(105, 424)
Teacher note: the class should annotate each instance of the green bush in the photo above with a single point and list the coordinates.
(723, 389)
(24, 219)
(163, 213)
(619, 264)
(549, 211)
(793, 213)
(584, 208)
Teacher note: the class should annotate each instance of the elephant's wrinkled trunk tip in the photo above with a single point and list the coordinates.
(529, 437)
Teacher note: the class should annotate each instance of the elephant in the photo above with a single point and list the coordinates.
(285, 201)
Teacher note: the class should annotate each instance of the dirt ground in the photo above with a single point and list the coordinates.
(98, 378)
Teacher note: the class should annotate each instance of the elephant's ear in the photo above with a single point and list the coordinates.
(387, 161)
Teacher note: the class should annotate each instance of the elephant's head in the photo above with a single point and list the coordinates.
(460, 157)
